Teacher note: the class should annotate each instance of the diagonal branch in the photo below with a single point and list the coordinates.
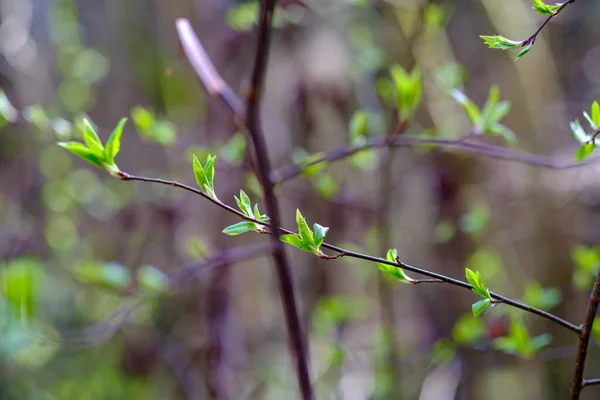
(347, 253)
(482, 149)
(206, 71)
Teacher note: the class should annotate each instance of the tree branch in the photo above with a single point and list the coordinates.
(347, 253)
(256, 134)
(498, 152)
(206, 71)
(584, 340)
(531, 39)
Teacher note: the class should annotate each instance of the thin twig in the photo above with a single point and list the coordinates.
(256, 134)
(584, 340)
(531, 39)
(481, 149)
(591, 382)
(347, 253)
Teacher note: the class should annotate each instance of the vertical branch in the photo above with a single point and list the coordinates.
(584, 340)
(282, 267)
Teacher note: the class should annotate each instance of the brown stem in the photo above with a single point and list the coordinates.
(352, 254)
(532, 38)
(584, 340)
(282, 267)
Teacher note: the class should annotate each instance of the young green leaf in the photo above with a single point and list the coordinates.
(303, 230)
(596, 114)
(471, 109)
(524, 51)
(91, 139)
(239, 228)
(209, 170)
(319, 234)
(80, 150)
(480, 307)
(503, 131)
(543, 8)
(584, 151)
(500, 42)
(476, 280)
(113, 144)
(408, 91)
(359, 124)
(246, 204)
(394, 271)
(295, 241)
(205, 175)
(579, 133)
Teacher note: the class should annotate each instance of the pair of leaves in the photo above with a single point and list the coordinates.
(205, 175)
(545, 9)
(487, 121)
(306, 239)
(480, 289)
(502, 43)
(94, 151)
(588, 142)
(394, 271)
(409, 88)
(150, 128)
(245, 206)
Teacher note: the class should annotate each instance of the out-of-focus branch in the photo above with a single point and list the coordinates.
(206, 71)
(584, 341)
(469, 146)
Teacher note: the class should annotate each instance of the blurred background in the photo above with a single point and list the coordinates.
(88, 307)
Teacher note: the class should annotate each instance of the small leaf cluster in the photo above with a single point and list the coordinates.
(542, 298)
(245, 206)
(480, 289)
(502, 43)
(588, 141)
(487, 121)
(306, 239)
(519, 342)
(393, 271)
(322, 181)
(408, 88)
(587, 263)
(358, 130)
(94, 151)
(545, 9)
(153, 129)
(205, 175)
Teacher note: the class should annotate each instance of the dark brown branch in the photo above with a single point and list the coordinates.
(584, 340)
(499, 152)
(531, 39)
(347, 253)
(257, 137)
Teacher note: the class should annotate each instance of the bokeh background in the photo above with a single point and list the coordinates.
(87, 307)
